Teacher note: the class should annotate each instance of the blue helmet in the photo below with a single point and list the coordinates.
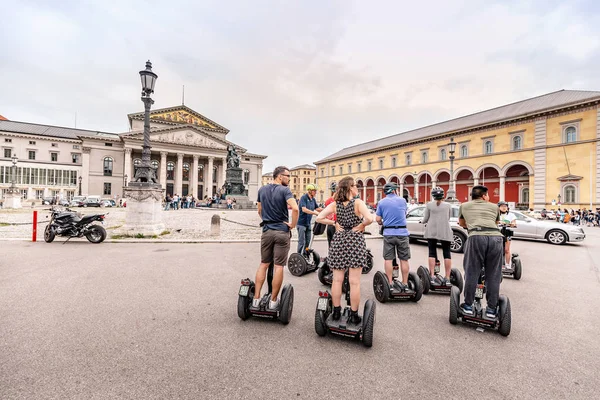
(390, 188)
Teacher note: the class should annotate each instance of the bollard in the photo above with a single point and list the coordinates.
(34, 238)
(215, 225)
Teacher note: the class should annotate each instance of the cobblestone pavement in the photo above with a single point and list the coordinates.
(185, 224)
(158, 321)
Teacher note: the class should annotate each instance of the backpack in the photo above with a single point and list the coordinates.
(319, 229)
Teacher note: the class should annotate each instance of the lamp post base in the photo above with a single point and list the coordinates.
(144, 209)
(12, 199)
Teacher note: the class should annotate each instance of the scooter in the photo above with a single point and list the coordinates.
(456, 279)
(385, 292)
(502, 321)
(324, 322)
(283, 312)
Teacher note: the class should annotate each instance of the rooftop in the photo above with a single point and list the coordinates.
(49, 130)
(543, 103)
(304, 166)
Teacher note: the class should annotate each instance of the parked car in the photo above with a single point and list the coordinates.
(108, 203)
(48, 201)
(527, 228)
(77, 201)
(89, 202)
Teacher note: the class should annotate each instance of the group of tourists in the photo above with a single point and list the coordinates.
(177, 202)
(577, 217)
(346, 217)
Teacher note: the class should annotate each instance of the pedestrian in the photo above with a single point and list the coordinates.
(509, 220)
(308, 207)
(437, 228)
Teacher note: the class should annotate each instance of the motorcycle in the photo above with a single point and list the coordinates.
(69, 224)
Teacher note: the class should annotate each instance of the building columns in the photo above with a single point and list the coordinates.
(163, 169)
(194, 177)
(416, 196)
(401, 194)
(223, 176)
(502, 183)
(475, 181)
(85, 164)
(179, 175)
(531, 189)
(209, 177)
(127, 165)
(364, 196)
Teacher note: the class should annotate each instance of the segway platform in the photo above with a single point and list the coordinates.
(325, 273)
(456, 279)
(384, 292)
(246, 292)
(515, 270)
(502, 321)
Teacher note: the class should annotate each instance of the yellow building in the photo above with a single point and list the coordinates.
(301, 176)
(539, 152)
(267, 178)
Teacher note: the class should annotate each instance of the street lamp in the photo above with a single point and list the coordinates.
(145, 173)
(80, 179)
(13, 183)
(451, 197)
(125, 180)
(415, 188)
(558, 200)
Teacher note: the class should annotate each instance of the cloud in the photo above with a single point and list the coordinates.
(296, 81)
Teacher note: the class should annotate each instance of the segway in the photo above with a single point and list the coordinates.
(502, 321)
(325, 273)
(516, 268)
(324, 322)
(283, 312)
(456, 279)
(385, 292)
(302, 264)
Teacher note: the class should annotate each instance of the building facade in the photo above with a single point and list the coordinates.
(189, 152)
(300, 177)
(536, 153)
(267, 178)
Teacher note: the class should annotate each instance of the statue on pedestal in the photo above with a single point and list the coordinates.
(233, 159)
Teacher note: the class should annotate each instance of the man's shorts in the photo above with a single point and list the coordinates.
(275, 246)
(396, 245)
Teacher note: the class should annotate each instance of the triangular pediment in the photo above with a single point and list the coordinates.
(179, 115)
(187, 135)
(570, 177)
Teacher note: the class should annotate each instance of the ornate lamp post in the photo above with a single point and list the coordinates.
(451, 197)
(80, 179)
(416, 186)
(558, 200)
(13, 183)
(13, 196)
(145, 174)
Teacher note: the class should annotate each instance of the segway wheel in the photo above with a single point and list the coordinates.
(456, 279)
(518, 268)
(505, 315)
(416, 284)
(368, 323)
(381, 287)
(244, 304)
(454, 302)
(320, 318)
(287, 304)
(316, 259)
(367, 268)
(424, 277)
(324, 270)
(297, 264)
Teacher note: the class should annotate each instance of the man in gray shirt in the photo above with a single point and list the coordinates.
(484, 248)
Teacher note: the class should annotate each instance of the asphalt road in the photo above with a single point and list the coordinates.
(158, 321)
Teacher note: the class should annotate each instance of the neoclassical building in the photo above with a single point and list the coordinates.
(188, 150)
(535, 153)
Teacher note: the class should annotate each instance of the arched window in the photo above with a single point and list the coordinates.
(464, 151)
(570, 194)
(246, 176)
(186, 171)
(570, 134)
(488, 147)
(108, 166)
(408, 159)
(200, 173)
(136, 163)
(516, 143)
(424, 157)
(393, 162)
(170, 170)
(215, 169)
(154, 164)
(443, 154)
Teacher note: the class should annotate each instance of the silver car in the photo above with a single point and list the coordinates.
(527, 228)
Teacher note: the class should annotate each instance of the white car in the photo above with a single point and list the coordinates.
(527, 228)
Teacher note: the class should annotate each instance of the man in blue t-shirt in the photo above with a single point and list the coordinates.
(273, 202)
(308, 207)
(391, 213)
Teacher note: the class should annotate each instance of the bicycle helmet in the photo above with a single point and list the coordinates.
(389, 188)
(333, 186)
(310, 186)
(502, 203)
(437, 193)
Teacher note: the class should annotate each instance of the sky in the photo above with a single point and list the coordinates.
(293, 80)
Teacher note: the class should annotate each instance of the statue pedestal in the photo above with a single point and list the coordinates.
(12, 199)
(234, 182)
(144, 209)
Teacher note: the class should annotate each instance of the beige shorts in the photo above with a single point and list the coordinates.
(275, 246)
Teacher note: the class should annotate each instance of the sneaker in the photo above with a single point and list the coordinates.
(255, 303)
(273, 305)
(337, 313)
(397, 286)
(447, 282)
(490, 312)
(466, 309)
(354, 318)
